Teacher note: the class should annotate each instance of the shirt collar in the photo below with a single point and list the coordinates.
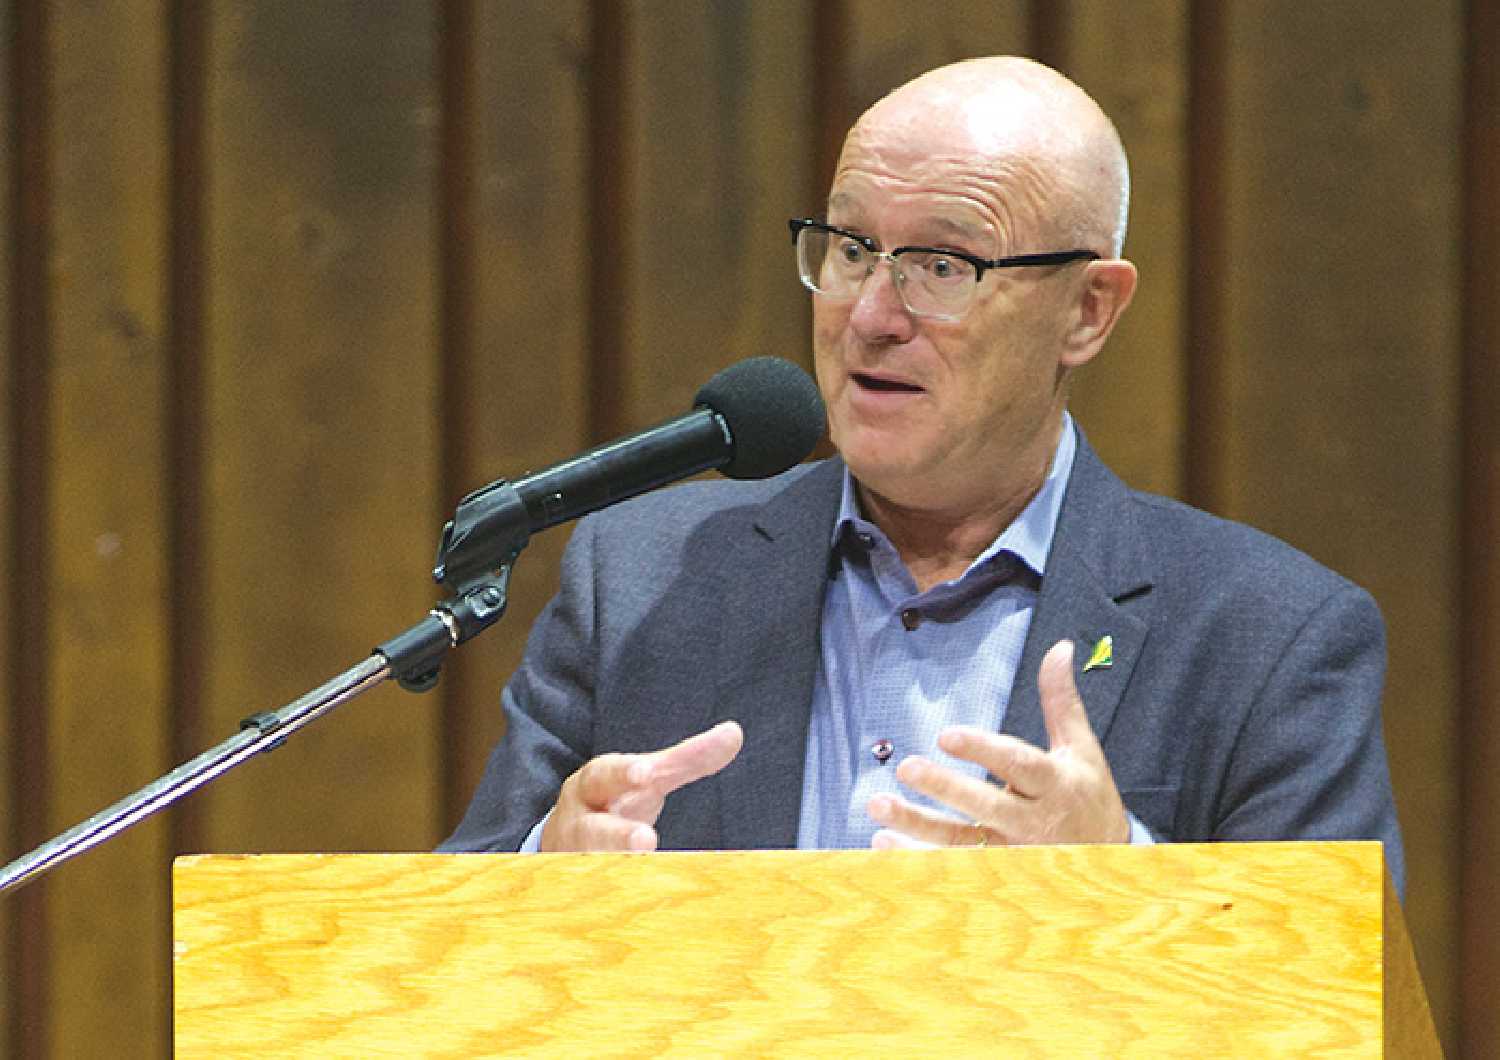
(1028, 537)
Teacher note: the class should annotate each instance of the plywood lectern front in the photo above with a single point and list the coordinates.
(1272, 949)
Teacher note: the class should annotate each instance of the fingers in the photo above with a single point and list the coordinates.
(693, 759)
(975, 799)
(638, 778)
(612, 802)
(889, 839)
(1062, 707)
(907, 825)
(1028, 770)
(604, 779)
(1024, 769)
(1081, 807)
(1064, 794)
(985, 811)
(596, 831)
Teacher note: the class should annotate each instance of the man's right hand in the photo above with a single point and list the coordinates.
(612, 803)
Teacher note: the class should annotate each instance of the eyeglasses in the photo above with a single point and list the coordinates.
(933, 283)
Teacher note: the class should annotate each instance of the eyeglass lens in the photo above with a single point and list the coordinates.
(930, 283)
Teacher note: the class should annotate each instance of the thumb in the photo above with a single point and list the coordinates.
(1062, 707)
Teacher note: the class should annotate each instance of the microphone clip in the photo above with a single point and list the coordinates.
(487, 532)
(474, 558)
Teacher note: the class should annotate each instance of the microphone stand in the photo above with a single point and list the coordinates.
(478, 548)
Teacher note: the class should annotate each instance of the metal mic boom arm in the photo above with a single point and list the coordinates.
(478, 548)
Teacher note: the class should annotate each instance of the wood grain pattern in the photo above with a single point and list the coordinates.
(718, 145)
(185, 412)
(1131, 401)
(1207, 415)
(1341, 339)
(526, 381)
(9, 392)
(107, 661)
(1271, 948)
(30, 158)
(1479, 727)
(891, 42)
(320, 405)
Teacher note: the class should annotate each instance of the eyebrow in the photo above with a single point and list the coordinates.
(839, 201)
(958, 228)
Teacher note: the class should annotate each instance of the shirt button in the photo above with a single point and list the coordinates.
(882, 750)
(867, 541)
(911, 618)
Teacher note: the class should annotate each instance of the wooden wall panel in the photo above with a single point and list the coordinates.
(1134, 61)
(1479, 825)
(319, 411)
(523, 379)
(9, 390)
(108, 714)
(30, 192)
(717, 133)
(1340, 350)
(890, 42)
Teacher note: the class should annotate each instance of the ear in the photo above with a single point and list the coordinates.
(1105, 292)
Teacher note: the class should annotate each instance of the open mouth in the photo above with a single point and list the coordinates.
(882, 385)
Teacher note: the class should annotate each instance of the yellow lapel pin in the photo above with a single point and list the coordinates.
(1103, 655)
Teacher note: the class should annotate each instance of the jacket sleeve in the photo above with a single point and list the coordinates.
(1310, 761)
(549, 714)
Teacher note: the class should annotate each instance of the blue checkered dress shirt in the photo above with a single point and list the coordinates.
(899, 666)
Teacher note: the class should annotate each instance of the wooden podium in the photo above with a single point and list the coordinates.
(1267, 949)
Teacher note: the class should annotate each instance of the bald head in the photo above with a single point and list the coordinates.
(1038, 131)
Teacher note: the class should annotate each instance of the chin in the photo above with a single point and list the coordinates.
(891, 442)
(899, 471)
(889, 474)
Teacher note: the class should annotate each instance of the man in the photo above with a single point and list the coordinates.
(965, 630)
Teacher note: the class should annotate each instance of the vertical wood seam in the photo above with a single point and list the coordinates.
(1203, 457)
(186, 333)
(1048, 21)
(608, 197)
(830, 95)
(183, 401)
(1479, 573)
(830, 122)
(456, 418)
(31, 340)
(11, 836)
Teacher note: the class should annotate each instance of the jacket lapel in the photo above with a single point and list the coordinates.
(1097, 562)
(768, 653)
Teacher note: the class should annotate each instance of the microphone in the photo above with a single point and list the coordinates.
(755, 419)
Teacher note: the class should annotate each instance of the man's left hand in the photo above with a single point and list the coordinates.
(1062, 795)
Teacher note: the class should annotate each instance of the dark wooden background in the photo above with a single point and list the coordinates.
(280, 280)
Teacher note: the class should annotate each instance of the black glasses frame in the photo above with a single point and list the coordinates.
(1055, 257)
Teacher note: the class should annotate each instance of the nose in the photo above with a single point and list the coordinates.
(879, 314)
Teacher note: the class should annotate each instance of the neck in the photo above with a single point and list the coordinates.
(938, 544)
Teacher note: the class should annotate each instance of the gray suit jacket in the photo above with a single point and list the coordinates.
(1243, 701)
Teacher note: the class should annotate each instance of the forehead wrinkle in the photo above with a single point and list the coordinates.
(1001, 194)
